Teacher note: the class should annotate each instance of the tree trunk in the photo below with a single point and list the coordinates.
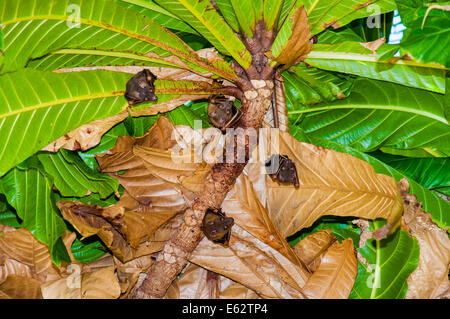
(175, 254)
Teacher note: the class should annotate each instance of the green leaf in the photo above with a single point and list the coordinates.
(37, 107)
(390, 262)
(373, 28)
(308, 86)
(7, 215)
(248, 14)
(435, 34)
(157, 14)
(431, 203)
(73, 178)
(272, 10)
(353, 58)
(432, 173)
(57, 103)
(202, 16)
(103, 30)
(380, 114)
(341, 227)
(30, 193)
(337, 36)
(285, 9)
(323, 13)
(92, 199)
(227, 12)
(85, 253)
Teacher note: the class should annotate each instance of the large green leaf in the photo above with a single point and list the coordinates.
(73, 178)
(431, 203)
(56, 103)
(272, 10)
(204, 18)
(353, 58)
(227, 12)
(433, 173)
(430, 42)
(37, 107)
(157, 14)
(309, 86)
(106, 33)
(248, 13)
(323, 13)
(30, 193)
(389, 263)
(381, 115)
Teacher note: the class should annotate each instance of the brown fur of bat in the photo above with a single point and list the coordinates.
(217, 226)
(222, 112)
(140, 88)
(285, 172)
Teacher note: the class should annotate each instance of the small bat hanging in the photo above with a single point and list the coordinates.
(282, 169)
(222, 112)
(217, 226)
(140, 88)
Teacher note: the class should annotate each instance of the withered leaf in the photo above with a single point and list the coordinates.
(18, 287)
(252, 263)
(430, 279)
(24, 248)
(298, 45)
(198, 283)
(153, 193)
(312, 247)
(90, 134)
(331, 183)
(336, 274)
(243, 205)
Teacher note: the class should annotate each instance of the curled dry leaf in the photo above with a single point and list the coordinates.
(88, 221)
(312, 247)
(252, 263)
(95, 280)
(21, 246)
(336, 274)
(198, 283)
(331, 183)
(430, 279)
(298, 44)
(128, 273)
(128, 237)
(18, 287)
(153, 193)
(243, 205)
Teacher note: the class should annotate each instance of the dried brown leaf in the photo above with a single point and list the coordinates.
(336, 274)
(18, 287)
(252, 263)
(24, 248)
(243, 205)
(95, 280)
(152, 193)
(312, 247)
(128, 273)
(430, 279)
(198, 283)
(331, 183)
(87, 220)
(298, 45)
